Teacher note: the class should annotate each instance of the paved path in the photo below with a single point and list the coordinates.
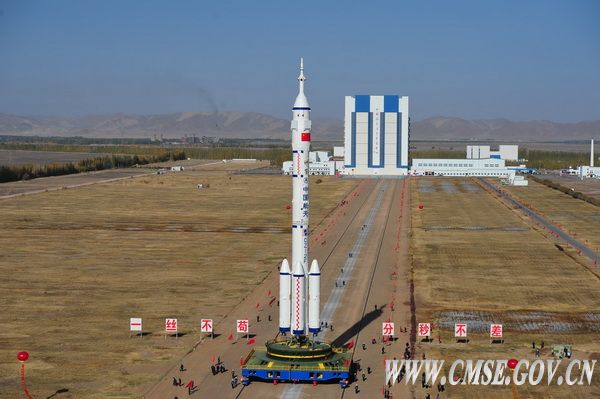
(328, 242)
(374, 226)
(585, 250)
(341, 287)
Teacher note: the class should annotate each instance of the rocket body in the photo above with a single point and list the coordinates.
(300, 319)
(301, 125)
(298, 300)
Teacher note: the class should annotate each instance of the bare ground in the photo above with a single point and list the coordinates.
(490, 264)
(76, 264)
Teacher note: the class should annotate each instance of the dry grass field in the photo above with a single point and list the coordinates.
(477, 261)
(573, 215)
(76, 264)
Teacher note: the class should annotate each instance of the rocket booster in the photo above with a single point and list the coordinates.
(285, 281)
(314, 286)
(304, 313)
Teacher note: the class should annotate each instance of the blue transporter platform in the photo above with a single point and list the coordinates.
(293, 361)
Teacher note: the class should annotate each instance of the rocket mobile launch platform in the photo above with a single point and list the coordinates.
(293, 356)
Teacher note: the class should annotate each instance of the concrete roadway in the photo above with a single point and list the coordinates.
(590, 253)
(390, 291)
(369, 282)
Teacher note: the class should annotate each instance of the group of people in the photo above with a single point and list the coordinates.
(234, 380)
(190, 385)
(407, 352)
(440, 388)
(218, 368)
(325, 325)
(538, 350)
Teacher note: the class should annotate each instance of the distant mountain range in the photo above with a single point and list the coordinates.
(445, 128)
(256, 125)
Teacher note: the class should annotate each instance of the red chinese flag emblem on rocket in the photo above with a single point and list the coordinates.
(305, 136)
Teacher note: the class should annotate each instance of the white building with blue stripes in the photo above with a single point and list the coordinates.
(376, 133)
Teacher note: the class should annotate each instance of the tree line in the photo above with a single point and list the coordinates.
(541, 159)
(26, 172)
(276, 155)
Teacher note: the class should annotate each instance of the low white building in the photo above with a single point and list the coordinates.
(590, 172)
(460, 167)
(508, 152)
(514, 179)
(319, 163)
(338, 152)
(478, 151)
(327, 168)
(318, 156)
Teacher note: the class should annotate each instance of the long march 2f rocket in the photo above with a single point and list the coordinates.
(299, 285)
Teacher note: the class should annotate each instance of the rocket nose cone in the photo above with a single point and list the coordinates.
(285, 267)
(314, 267)
(301, 101)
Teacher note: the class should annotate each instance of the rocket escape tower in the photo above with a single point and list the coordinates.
(294, 355)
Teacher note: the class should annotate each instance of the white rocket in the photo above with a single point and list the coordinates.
(592, 154)
(299, 287)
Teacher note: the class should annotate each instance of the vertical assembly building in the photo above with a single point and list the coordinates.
(376, 132)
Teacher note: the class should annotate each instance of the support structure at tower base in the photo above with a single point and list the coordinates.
(298, 361)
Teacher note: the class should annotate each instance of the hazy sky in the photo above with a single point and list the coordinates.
(474, 59)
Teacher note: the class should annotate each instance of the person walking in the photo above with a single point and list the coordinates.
(191, 387)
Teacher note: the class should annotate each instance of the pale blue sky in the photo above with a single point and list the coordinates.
(474, 59)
